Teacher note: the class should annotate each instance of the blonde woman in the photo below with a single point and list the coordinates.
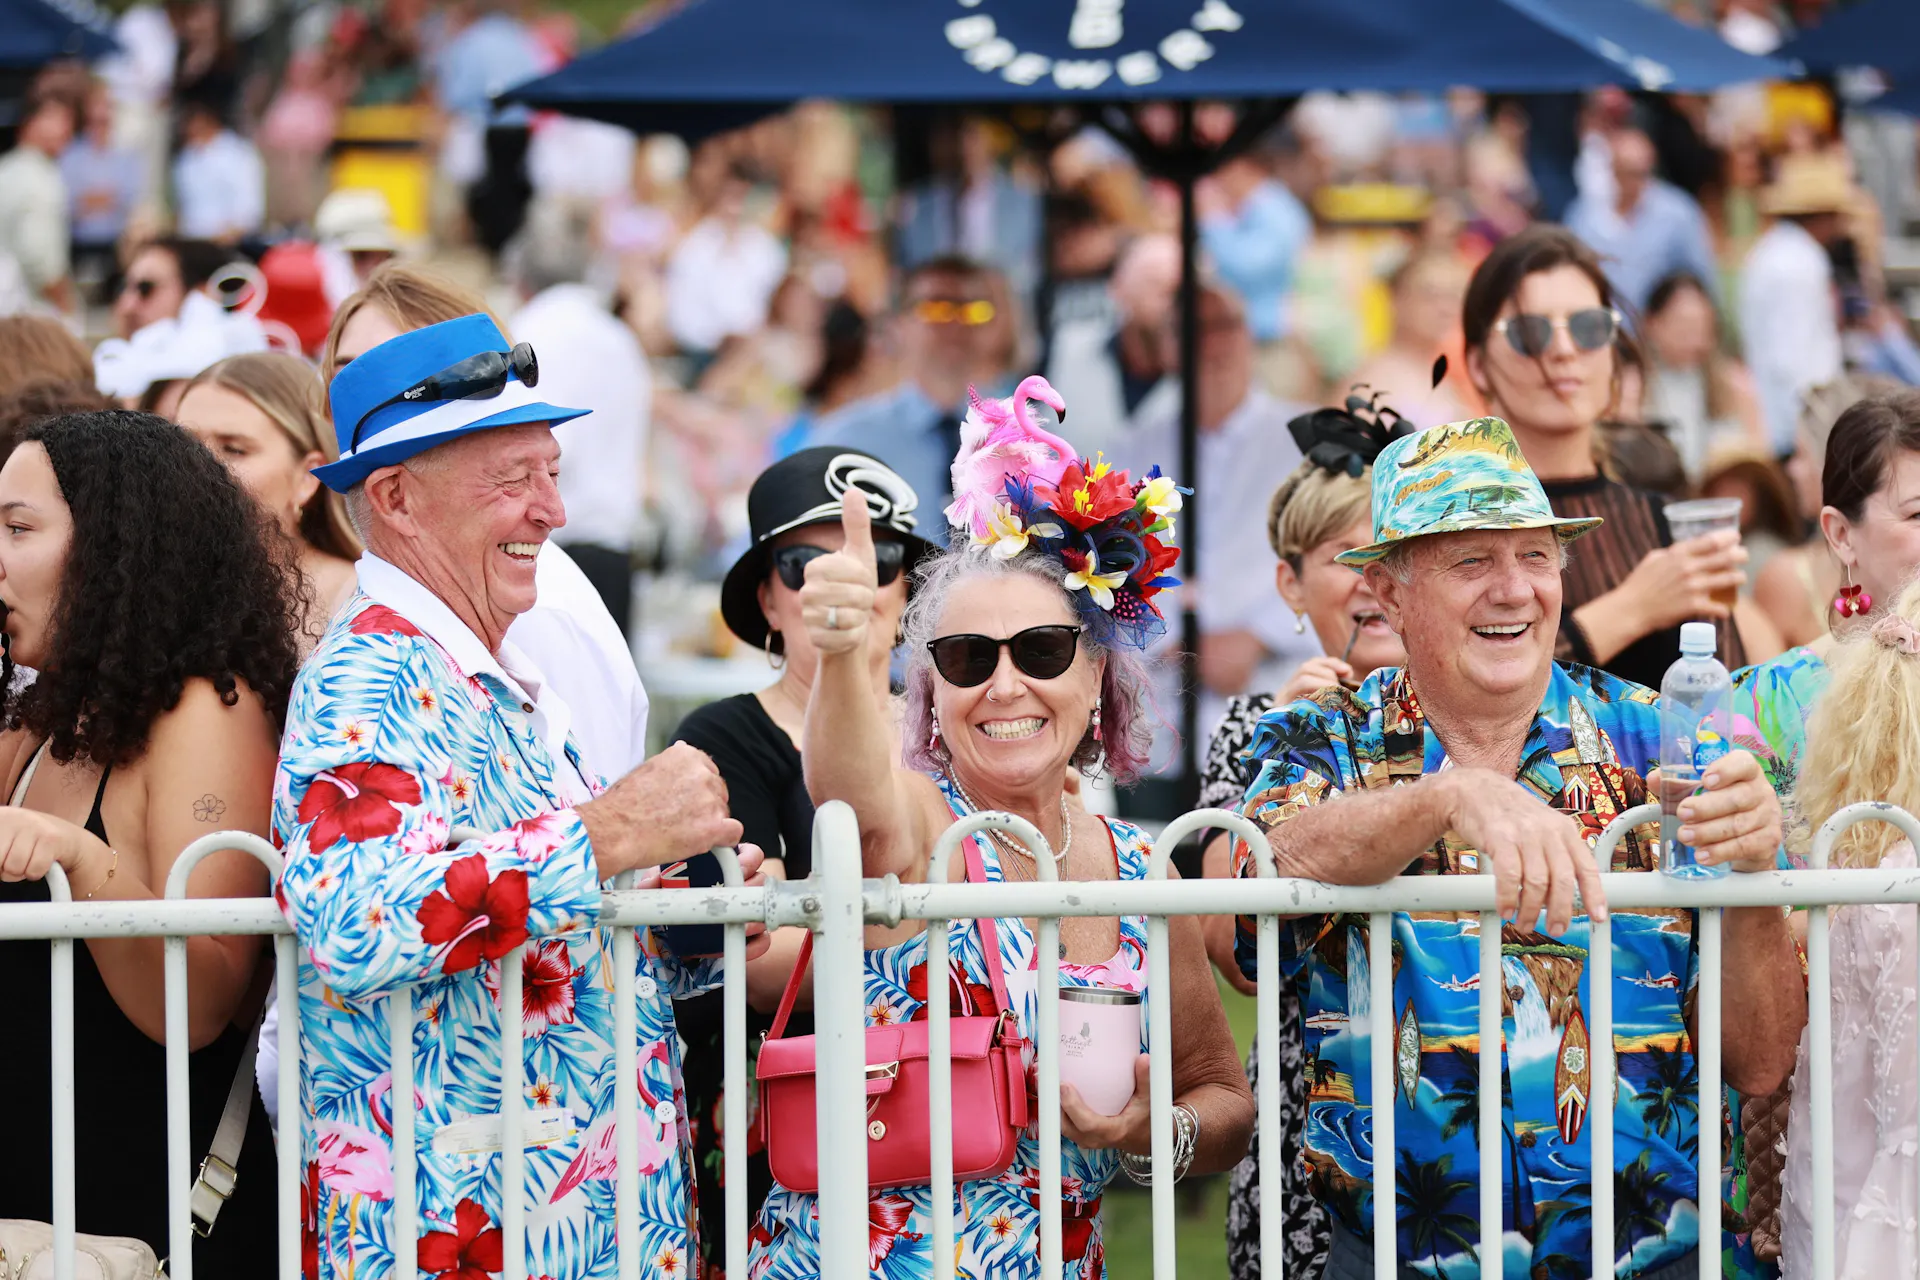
(1319, 511)
(1875, 681)
(261, 415)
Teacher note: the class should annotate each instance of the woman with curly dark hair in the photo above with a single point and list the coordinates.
(150, 598)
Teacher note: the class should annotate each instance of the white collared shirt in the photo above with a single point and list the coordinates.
(546, 709)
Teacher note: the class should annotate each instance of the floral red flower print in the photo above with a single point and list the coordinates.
(534, 839)
(475, 917)
(356, 801)
(547, 973)
(471, 1251)
(887, 1218)
(378, 620)
(310, 1222)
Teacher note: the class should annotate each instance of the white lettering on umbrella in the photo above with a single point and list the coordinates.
(1138, 68)
(1096, 24)
(1186, 49)
(1215, 15)
(1027, 68)
(965, 33)
(1081, 75)
(993, 55)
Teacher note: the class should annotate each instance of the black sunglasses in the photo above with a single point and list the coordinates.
(478, 377)
(1590, 329)
(142, 289)
(889, 558)
(1040, 652)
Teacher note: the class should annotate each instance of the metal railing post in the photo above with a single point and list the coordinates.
(839, 1028)
(180, 1171)
(1820, 1019)
(1600, 1077)
(1160, 1038)
(1492, 1032)
(1380, 1058)
(63, 1086)
(733, 1121)
(626, 1098)
(940, 1043)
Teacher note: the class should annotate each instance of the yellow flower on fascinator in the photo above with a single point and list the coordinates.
(1895, 632)
(1161, 496)
(1006, 536)
(1083, 574)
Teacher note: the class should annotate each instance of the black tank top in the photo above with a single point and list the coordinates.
(120, 1110)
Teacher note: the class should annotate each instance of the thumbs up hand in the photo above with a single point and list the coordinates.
(837, 601)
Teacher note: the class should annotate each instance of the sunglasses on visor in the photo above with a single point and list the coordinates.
(889, 558)
(1590, 329)
(1042, 653)
(478, 377)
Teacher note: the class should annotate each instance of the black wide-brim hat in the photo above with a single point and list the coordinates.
(805, 489)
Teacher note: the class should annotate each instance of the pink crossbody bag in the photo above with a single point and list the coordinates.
(989, 1088)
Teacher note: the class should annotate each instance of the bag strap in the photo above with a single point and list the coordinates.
(989, 943)
(26, 775)
(219, 1172)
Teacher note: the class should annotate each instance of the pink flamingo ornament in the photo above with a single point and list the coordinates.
(999, 439)
(598, 1155)
(353, 1160)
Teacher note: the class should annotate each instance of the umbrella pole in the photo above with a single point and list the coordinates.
(1186, 172)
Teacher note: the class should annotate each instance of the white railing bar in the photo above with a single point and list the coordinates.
(1707, 1059)
(181, 1171)
(1600, 1085)
(733, 961)
(1266, 1030)
(286, 968)
(63, 1086)
(626, 1098)
(1380, 1052)
(1884, 886)
(1492, 1031)
(405, 1228)
(1820, 1019)
(840, 1055)
(513, 1109)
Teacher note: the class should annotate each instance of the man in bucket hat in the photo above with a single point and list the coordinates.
(436, 815)
(1483, 753)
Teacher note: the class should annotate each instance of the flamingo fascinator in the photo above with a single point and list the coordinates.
(1019, 487)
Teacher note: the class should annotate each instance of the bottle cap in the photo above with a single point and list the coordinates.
(1698, 639)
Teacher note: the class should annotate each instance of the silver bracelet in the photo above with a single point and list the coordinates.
(1186, 1137)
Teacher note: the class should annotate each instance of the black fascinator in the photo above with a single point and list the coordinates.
(1345, 440)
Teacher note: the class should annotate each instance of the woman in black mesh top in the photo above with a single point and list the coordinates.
(1541, 324)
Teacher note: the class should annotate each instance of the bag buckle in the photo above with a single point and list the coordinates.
(211, 1189)
(883, 1071)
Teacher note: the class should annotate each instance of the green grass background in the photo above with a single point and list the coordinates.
(1127, 1211)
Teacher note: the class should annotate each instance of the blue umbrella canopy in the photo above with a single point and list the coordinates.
(36, 32)
(717, 63)
(1873, 33)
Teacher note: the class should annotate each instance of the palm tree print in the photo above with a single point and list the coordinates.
(1671, 1092)
(1640, 1204)
(1427, 1192)
(1462, 1104)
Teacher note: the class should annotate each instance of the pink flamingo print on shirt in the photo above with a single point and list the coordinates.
(999, 439)
(598, 1154)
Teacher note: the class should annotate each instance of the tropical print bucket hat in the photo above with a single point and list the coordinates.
(1453, 478)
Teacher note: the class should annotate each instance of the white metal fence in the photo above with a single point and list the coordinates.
(836, 903)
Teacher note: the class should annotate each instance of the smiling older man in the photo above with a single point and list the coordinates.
(1482, 747)
(416, 720)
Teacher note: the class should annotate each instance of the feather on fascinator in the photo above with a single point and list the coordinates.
(1019, 487)
(1346, 440)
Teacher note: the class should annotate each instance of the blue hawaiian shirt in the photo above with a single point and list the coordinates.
(1587, 753)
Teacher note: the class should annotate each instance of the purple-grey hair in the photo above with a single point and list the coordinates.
(1126, 720)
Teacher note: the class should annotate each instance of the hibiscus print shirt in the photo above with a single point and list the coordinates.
(404, 736)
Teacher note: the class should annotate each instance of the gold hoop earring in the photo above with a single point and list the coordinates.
(776, 661)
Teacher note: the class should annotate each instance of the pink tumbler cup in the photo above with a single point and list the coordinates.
(1099, 1039)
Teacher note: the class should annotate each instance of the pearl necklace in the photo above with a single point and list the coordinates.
(1005, 842)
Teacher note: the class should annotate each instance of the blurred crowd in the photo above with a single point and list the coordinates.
(842, 275)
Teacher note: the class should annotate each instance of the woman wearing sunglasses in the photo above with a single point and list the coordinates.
(1024, 660)
(1541, 323)
(754, 739)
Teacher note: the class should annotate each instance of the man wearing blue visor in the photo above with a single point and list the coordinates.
(415, 724)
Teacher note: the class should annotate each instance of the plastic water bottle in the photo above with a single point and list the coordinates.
(1696, 728)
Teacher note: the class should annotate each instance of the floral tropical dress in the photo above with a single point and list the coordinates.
(996, 1222)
